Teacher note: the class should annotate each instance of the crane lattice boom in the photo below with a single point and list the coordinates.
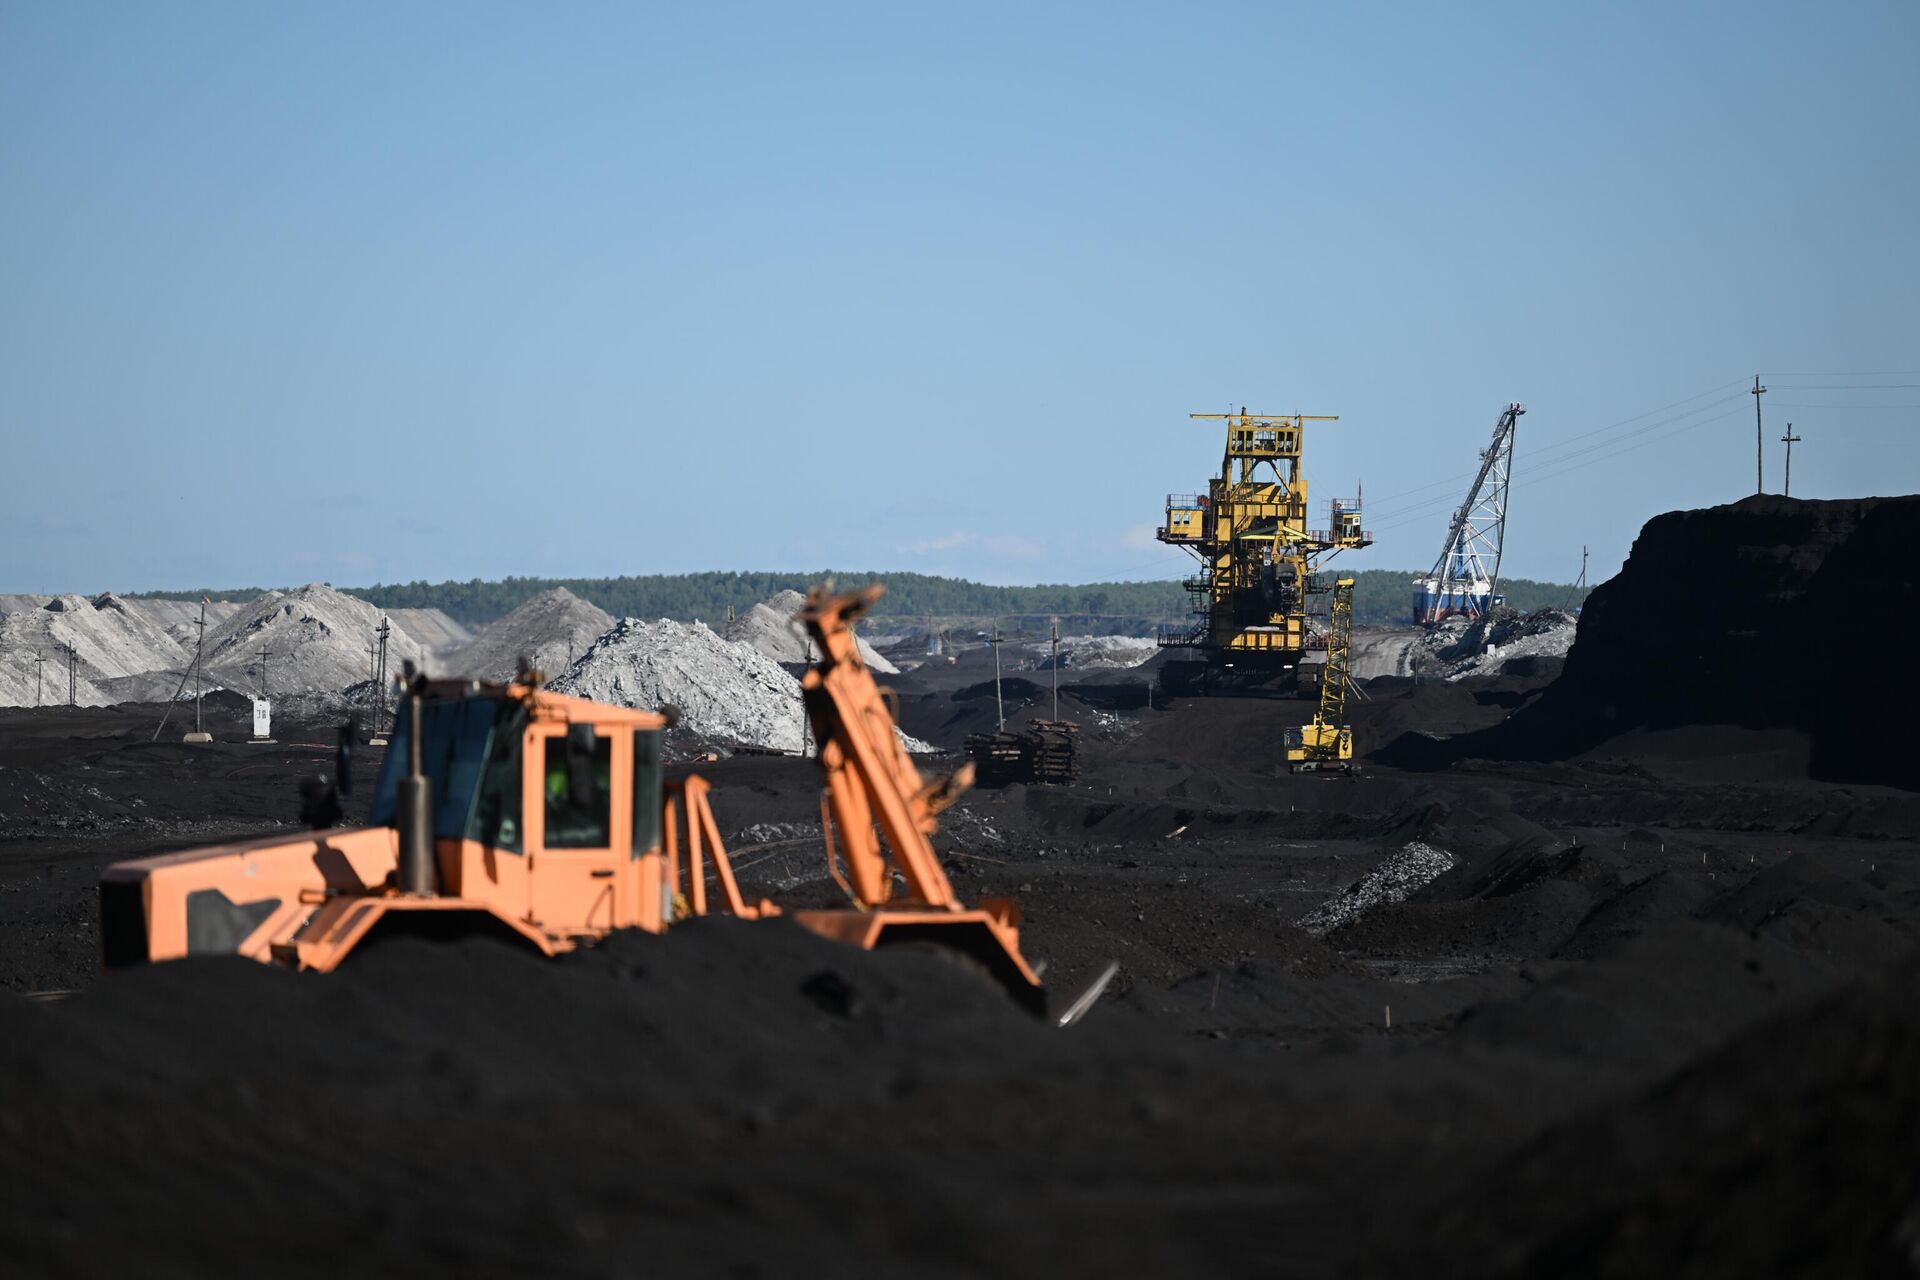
(1466, 574)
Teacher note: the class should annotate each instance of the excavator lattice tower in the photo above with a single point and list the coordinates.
(1258, 559)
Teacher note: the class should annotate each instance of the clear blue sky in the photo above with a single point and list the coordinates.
(365, 292)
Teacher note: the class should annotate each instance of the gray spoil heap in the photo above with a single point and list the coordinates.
(724, 691)
(1458, 649)
(110, 643)
(180, 618)
(551, 631)
(25, 682)
(316, 640)
(1104, 653)
(1485, 646)
(436, 632)
(772, 629)
(1398, 876)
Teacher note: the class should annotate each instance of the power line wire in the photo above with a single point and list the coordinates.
(1611, 443)
(1555, 474)
(1559, 467)
(1575, 439)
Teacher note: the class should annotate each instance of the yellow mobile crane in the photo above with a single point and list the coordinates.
(1325, 743)
(1258, 559)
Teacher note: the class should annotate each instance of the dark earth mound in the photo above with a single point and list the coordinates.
(1769, 614)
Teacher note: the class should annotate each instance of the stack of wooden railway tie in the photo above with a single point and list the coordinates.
(1046, 751)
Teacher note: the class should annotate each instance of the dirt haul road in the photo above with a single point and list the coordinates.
(1655, 1018)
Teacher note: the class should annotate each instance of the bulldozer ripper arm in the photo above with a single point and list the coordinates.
(878, 801)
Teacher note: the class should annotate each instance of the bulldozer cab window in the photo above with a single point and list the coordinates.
(646, 790)
(455, 749)
(496, 817)
(579, 791)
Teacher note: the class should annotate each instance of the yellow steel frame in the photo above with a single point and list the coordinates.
(1253, 520)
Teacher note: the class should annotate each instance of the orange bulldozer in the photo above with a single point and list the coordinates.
(542, 819)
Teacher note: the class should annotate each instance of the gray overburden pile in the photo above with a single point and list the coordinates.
(1109, 653)
(436, 632)
(772, 629)
(1485, 647)
(551, 630)
(725, 691)
(316, 639)
(180, 618)
(1458, 649)
(110, 641)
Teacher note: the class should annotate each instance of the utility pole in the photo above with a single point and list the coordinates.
(1759, 485)
(199, 645)
(73, 660)
(1789, 440)
(263, 674)
(39, 660)
(1054, 624)
(192, 671)
(1581, 585)
(999, 705)
(377, 659)
(380, 678)
(806, 726)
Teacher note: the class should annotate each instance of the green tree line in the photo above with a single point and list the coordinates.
(1381, 597)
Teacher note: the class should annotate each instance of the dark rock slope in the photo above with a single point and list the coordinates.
(1768, 614)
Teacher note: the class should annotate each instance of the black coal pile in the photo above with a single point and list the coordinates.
(621, 1092)
(1769, 614)
(749, 1100)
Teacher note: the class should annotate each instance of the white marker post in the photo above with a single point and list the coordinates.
(262, 721)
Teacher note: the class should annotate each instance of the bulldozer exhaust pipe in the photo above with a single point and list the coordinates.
(413, 810)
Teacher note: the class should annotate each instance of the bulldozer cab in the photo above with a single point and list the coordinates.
(542, 822)
(544, 805)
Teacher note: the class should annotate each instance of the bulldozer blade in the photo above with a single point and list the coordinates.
(1077, 1008)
